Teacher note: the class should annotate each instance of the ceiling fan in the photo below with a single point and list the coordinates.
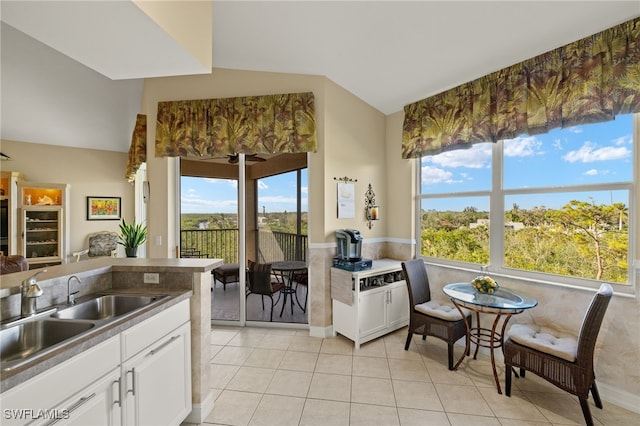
(234, 158)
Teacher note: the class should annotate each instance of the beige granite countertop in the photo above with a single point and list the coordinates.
(107, 264)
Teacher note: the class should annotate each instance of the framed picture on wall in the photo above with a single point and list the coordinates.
(103, 208)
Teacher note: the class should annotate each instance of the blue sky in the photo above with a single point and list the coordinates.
(276, 194)
(582, 155)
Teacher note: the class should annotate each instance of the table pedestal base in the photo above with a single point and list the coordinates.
(487, 338)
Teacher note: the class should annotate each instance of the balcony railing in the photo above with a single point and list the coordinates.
(223, 244)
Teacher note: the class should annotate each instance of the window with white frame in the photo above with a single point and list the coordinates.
(556, 207)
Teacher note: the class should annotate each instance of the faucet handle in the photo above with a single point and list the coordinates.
(32, 279)
(34, 290)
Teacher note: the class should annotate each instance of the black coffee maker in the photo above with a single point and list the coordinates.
(349, 244)
(349, 251)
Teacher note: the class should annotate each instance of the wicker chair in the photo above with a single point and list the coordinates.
(101, 244)
(261, 282)
(428, 317)
(565, 361)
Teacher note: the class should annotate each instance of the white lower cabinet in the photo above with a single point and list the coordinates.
(398, 306)
(50, 396)
(372, 312)
(157, 382)
(383, 310)
(140, 377)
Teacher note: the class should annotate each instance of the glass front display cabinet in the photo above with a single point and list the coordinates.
(42, 235)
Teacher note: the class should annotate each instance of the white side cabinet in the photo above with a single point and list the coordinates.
(371, 303)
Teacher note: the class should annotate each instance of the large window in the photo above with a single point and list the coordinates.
(556, 207)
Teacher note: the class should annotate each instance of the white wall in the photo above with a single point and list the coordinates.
(51, 99)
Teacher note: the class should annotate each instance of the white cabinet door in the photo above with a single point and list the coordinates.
(398, 305)
(98, 404)
(158, 382)
(373, 311)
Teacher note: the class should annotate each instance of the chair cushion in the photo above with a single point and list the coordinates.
(102, 244)
(447, 312)
(545, 340)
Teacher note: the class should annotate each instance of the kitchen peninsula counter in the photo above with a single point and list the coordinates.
(180, 278)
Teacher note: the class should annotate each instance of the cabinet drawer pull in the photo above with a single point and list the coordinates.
(133, 382)
(74, 407)
(162, 346)
(117, 400)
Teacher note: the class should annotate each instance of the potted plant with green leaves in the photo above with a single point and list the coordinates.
(132, 235)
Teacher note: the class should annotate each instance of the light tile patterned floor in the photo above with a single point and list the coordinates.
(263, 376)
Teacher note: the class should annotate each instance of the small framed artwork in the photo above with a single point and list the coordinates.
(103, 208)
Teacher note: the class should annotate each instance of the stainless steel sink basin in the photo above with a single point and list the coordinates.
(29, 338)
(106, 307)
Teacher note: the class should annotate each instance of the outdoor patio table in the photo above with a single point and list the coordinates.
(503, 302)
(287, 268)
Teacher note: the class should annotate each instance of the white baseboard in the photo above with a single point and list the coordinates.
(199, 412)
(617, 397)
(321, 331)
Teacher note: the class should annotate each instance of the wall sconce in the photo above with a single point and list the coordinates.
(372, 210)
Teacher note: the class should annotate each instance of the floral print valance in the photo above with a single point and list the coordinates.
(138, 148)
(249, 125)
(587, 81)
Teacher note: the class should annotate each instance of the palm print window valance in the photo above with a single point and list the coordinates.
(249, 125)
(138, 148)
(587, 81)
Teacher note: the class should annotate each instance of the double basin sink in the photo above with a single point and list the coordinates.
(27, 338)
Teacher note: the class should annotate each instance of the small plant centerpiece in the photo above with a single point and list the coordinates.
(485, 284)
(132, 235)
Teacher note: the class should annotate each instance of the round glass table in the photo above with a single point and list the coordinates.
(502, 303)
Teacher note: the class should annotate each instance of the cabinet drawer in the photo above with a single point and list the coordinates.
(147, 332)
(55, 385)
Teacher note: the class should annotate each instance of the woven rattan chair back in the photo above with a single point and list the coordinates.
(415, 274)
(578, 377)
(417, 280)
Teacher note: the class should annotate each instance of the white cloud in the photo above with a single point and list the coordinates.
(193, 203)
(622, 140)
(589, 153)
(557, 144)
(525, 146)
(476, 157)
(262, 185)
(433, 175)
(591, 172)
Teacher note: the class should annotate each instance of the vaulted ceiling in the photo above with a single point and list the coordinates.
(72, 67)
